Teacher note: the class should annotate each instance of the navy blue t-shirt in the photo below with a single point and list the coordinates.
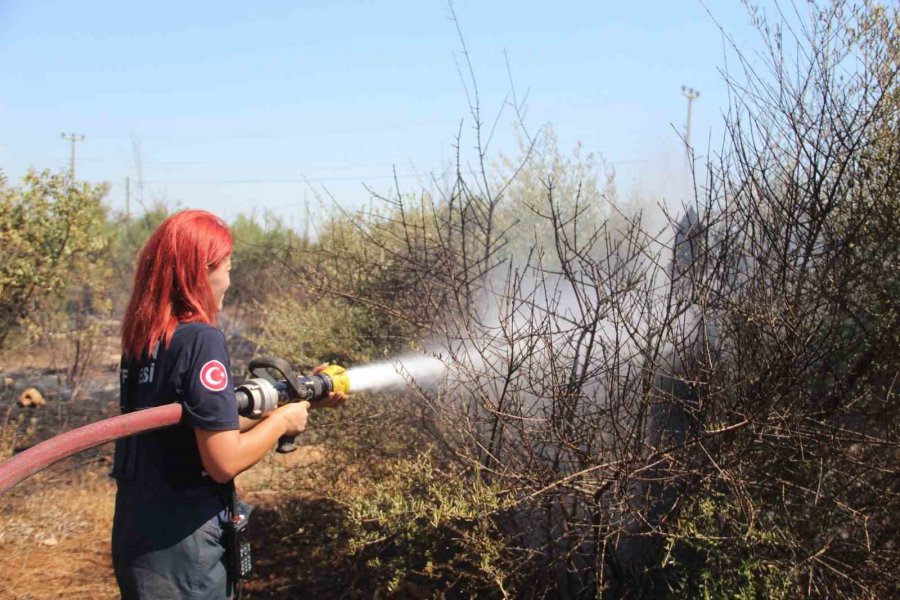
(195, 371)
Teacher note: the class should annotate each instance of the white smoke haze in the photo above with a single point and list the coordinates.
(536, 320)
(549, 368)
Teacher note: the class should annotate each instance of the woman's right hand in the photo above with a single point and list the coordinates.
(294, 416)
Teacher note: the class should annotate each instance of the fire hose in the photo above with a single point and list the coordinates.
(256, 397)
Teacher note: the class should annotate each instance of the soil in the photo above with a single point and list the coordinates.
(55, 526)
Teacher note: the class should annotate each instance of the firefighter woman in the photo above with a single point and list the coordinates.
(175, 490)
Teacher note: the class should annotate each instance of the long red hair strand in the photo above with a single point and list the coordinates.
(171, 280)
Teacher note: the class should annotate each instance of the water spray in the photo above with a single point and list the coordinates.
(396, 373)
(264, 392)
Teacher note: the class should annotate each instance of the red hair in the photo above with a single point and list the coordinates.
(171, 281)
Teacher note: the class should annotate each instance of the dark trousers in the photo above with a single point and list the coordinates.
(169, 544)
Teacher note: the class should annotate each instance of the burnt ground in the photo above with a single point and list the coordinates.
(55, 526)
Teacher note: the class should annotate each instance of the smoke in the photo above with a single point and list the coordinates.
(535, 327)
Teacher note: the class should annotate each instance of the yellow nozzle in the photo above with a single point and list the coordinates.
(339, 380)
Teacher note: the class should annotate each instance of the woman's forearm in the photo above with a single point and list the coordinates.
(225, 454)
(245, 424)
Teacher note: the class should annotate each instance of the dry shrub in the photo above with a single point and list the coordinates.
(702, 409)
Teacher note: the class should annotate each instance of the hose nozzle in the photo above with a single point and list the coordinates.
(317, 387)
(263, 393)
(339, 380)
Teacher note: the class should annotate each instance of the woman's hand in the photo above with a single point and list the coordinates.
(294, 415)
(334, 399)
(226, 453)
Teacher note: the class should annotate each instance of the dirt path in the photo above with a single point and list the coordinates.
(55, 527)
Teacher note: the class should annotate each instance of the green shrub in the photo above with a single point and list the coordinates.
(54, 236)
(716, 561)
(433, 528)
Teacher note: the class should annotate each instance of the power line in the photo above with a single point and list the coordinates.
(291, 180)
(274, 135)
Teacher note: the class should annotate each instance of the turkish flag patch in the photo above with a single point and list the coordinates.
(213, 376)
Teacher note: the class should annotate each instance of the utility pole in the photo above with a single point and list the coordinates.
(128, 198)
(74, 138)
(305, 218)
(691, 94)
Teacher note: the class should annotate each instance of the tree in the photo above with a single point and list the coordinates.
(51, 228)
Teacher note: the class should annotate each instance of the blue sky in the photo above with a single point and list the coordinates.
(235, 108)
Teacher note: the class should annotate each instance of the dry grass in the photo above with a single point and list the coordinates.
(55, 527)
(55, 530)
(54, 534)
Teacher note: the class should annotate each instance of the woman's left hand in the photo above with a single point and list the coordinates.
(334, 399)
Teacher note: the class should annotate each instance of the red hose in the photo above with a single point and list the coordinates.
(39, 457)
